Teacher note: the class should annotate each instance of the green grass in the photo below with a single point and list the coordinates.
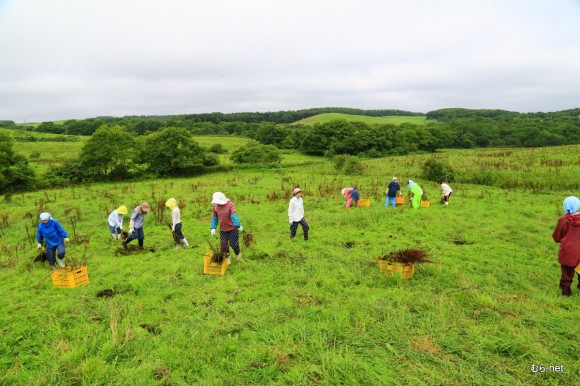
(395, 120)
(295, 312)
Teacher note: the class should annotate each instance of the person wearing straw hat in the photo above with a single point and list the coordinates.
(136, 225)
(224, 213)
(176, 222)
(392, 190)
(416, 193)
(296, 214)
(116, 222)
(567, 233)
(54, 236)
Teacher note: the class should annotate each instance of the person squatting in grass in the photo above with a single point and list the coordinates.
(445, 192)
(296, 214)
(224, 213)
(351, 194)
(416, 193)
(567, 233)
(176, 222)
(54, 236)
(116, 222)
(392, 190)
(136, 225)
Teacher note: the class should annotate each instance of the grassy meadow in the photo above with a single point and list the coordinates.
(484, 311)
(395, 120)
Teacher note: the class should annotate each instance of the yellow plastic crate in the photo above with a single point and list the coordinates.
(364, 202)
(405, 270)
(211, 268)
(400, 200)
(70, 277)
(425, 204)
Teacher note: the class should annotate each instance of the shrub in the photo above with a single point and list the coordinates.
(255, 154)
(348, 164)
(437, 171)
(218, 148)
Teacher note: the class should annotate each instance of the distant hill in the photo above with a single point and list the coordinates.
(395, 120)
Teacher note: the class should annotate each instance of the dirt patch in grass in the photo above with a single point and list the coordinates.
(106, 293)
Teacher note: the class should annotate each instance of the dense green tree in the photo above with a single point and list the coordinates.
(173, 151)
(106, 151)
(15, 174)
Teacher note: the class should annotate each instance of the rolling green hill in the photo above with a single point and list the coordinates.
(396, 120)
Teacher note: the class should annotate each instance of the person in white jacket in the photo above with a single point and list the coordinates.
(445, 192)
(116, 222)
(176, 222)
(296, 214)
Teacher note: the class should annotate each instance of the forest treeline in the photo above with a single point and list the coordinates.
(134, 147)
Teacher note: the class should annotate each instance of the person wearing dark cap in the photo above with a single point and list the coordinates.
(136, 225)
(54, 235)
(296, 214)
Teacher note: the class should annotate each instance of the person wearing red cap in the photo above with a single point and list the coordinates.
(296, 214)
(136, 225)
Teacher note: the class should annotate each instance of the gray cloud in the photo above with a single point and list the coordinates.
(64, 60)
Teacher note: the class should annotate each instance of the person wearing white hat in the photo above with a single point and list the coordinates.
(116, 222)
(136, 225)
(224, 214)
(54, 235)
(296, 214)
(351, 194)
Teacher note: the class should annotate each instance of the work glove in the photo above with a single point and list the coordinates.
(39, 245)
(67, 240)
(131, 231)
(213, 232)
(290, 222)
(172, 229)
(240, 229)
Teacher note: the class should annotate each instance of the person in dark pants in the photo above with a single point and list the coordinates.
(392, 190)
(567, 233)
(224, 213)
(176, 222)
(136, 225)
(296, 214)
(54, 235)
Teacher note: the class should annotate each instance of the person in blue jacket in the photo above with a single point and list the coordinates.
(54, 235)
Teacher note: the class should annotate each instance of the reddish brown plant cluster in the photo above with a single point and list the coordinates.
(407, 256)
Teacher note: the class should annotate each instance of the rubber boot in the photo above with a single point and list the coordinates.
(184, 242)
(113, 236)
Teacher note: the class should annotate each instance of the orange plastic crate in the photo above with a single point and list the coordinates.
(425, 203)
(211, 268)
(70, 277)
(405, 270)
(364, 202)
(400, 200)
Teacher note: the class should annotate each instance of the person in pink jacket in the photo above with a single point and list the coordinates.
(351, 194)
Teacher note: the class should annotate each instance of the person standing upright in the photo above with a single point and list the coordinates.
(567, 233)
(296, 214)
(224, 213)
(392, 190)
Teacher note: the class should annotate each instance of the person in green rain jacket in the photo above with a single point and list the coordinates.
(417, 193)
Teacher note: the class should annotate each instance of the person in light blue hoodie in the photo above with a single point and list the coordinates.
(54, 235)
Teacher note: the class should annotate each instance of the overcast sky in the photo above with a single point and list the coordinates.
(74, 59)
